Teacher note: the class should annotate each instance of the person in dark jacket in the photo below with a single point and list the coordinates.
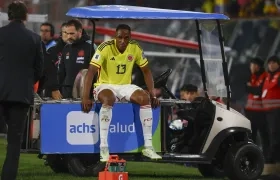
(75, 56)
(21, 64)
(50, 84)
(271, 105)
(56, 51)
(254, 109)
(47, 35)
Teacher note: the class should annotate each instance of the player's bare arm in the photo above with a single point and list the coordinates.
(86, 101)
(150, 85)
(148, 79)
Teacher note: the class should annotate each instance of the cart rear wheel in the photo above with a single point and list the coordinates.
(84, 165)
(57, 162)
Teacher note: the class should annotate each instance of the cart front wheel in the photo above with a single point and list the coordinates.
(83, 165)
(244, 162)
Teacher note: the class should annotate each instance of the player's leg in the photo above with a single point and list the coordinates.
(136, 95)
(105, 94)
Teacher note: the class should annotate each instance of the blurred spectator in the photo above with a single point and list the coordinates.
(244, 10)
(254, 110)
(51, 86)
(270, 8)
(271, 104)
(233, 9)
(243, 3)
(208, 6)
(256, 7)
(47, 35)
(56, 51)
(241, 8)
(220, 6)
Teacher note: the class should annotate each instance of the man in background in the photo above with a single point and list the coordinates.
(49, 72)
(21, 65)
(271, 105)
(47, 35)
(75, 56)
(56, 51)
(53, 58)
(189, 92)
(254, 109)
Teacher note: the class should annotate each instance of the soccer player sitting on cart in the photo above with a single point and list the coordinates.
(114, 60)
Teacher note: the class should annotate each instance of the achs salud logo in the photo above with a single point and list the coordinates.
(82, 128)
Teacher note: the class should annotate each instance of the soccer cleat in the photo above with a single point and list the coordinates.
(104, 154)
(150, 153)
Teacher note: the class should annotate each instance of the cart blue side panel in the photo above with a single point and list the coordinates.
(65, 129)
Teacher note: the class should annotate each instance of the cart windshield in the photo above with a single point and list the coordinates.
(212, 56)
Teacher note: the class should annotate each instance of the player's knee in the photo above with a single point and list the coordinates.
(107, 98)
(143, 99)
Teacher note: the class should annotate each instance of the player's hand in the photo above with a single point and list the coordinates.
(86, 105)
(56, 95)
(155, 102)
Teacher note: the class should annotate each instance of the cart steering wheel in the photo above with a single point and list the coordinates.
(161, 80)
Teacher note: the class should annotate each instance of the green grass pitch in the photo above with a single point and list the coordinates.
(32, 168)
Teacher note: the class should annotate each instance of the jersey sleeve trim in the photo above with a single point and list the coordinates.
(135, 43)
(144, 64)
(104, 44)
(95, 64)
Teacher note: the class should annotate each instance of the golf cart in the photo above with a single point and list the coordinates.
(217, 138)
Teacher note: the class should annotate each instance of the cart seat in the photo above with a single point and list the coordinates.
(203, 120)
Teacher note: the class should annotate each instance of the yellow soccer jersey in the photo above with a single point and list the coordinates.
(115, 67)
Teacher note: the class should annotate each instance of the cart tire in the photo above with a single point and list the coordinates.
(57, 162)
(85, 165)
(244, 162)
(211, 171)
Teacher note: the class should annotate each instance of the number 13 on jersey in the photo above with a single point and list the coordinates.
(121, 69)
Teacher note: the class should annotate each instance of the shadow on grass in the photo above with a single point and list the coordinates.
(133, 175)
(41, 174)
(163, 176)
(270, 177)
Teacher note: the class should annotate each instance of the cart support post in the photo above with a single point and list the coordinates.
(202, 66)
(224, 63)
(92, 38)
(92, 51)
